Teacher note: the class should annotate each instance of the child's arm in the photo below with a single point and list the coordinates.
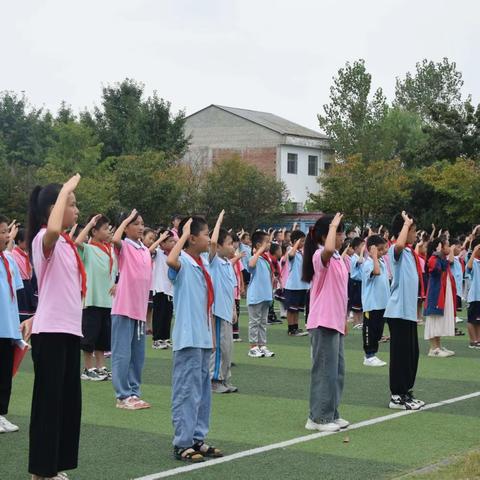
(214, 237)
(361, 257)
(13, 231)
(432, 235)
(402, 236)
(376, 264)
(294, 249)
(117, 236)
(72, 231)
(451, 257)
(472, 257)
(157, 242)
(237, 258)
(330, 241)
(82, 236)
(173, 257)
(254, 259)
(55, 220)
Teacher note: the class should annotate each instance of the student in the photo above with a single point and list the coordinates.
(401, 314)
(259, 295)
(176, 219)
(27, 299)
(421, 251)
(224, 283)
(240, 288)
(149, 237)
(458, 270)
(274, 254)
(246, 248)
(162, 289)
(441, 297)
(192, 342)
(355, 280)
(101, 267)
(327, 322)
(129, 312)
(56, 330)
(295, 288)
(375, 294)
(473, 269)
(10, 328)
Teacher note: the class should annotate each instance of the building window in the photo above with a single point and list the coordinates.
(292, 163)
(313, 165)
(326, 165)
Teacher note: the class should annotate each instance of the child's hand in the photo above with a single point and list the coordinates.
(163, 236)
(373, 251)
(221, 215)
(336, 220)
(12, 224)
(73, 230)
(113, 290)
(186, 228)
(70, 185)
(407, 220)
(13, 231)
(380, 229)
(26, 328)
(242, 254)
(297, 244)
(476, 249)
(439, 247)
(95, 219)
(132, 215)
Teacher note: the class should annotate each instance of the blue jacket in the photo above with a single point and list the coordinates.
(438, 269)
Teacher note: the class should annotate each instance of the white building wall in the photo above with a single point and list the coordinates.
(299, 185)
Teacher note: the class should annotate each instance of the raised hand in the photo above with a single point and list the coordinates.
(336, 220)
(407, 219)
(186, 228)
(71, 184)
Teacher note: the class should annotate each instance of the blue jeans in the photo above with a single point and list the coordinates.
(191, 395)
(128, 355)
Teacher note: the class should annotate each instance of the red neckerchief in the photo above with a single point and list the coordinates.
(208, 281)
(105, 248)
(462, 264)
(9, 274)
(81, 267)
(28, 265)
(421, 289)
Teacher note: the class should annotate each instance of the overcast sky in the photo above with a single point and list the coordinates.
(271, 55)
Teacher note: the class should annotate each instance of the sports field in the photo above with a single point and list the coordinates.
(272, 407)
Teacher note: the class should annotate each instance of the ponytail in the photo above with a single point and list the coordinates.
(316, 236)
(40, 202)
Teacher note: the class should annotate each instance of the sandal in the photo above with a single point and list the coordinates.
(188, 454)
(207, 450)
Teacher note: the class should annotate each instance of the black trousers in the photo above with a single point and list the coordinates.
(372, 330)
(236, 325)
(403, 355)
(6, 366)
(56, 404)
(162, 316)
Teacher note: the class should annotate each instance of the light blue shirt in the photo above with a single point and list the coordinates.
(260, 287)
(355, 268)
(404, 292)
(224, 283)
(190, 298)
(294, 279)
(474, 291)
(458, 275)
(375, 288)
(248, 254)
(9, 316)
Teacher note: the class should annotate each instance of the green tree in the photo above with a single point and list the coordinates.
(365, 193)
(249, 196)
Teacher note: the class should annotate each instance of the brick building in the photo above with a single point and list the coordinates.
(292, 153)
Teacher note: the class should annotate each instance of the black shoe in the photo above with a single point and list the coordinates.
(298, 332)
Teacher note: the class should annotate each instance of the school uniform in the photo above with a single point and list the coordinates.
(474, 293)
(10, 284)
(375, 295)
(238, 268)
(247, 250)
(458, 270)
(401, 315)
(295, 288)
(192, 349)
(129, 315)
(326, 326)
(101, 268)
(56, 333)
(162, 297)
(355, 284)
(224, 283)
(26, 298)
(259, 299)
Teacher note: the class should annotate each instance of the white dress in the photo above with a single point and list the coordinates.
(442, 325)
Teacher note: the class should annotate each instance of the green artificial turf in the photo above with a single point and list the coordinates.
(271, 406)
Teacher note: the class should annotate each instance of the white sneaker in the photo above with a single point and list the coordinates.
(255, 352)
(266, 352)
(438, 352)
(458, 320)
(373, 362)
(450, 352)
(6, 426)
(342, 423)
(322, 427)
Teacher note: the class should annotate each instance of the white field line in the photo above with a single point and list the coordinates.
(305, 438)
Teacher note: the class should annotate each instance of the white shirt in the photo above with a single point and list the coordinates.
(160, 281)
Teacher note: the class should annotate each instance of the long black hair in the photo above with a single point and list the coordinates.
(316, 236)
(40, 203)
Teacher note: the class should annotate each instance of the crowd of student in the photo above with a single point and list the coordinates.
(103, 290)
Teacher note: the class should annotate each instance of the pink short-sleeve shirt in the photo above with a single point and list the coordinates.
(328, 293)
(59, 288)
(135, 267)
